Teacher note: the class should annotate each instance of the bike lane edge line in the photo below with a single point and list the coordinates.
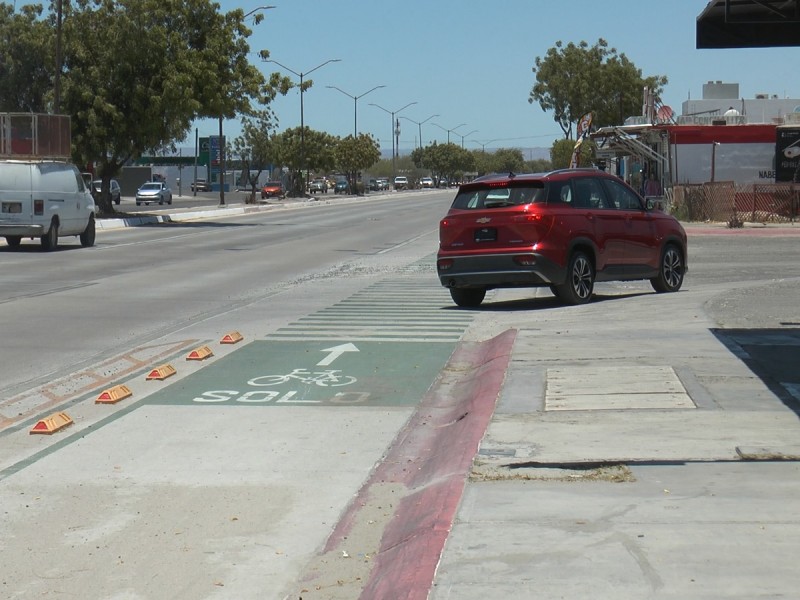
(430, 459)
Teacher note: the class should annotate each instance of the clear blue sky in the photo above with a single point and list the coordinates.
(470, 62)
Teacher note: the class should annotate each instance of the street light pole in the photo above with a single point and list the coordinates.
(419, 124)
(394, 149)
(355, 104)
(302, 122)
(256, 20)
(465, 135)
(448, 130)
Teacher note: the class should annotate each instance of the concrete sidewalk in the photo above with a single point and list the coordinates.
(633, 454)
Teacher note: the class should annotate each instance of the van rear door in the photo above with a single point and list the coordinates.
(16, 207)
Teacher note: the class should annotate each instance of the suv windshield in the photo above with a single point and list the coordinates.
(496, 197)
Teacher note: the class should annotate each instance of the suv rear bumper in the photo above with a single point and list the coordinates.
(499, 271)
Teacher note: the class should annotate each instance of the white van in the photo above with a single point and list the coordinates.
(44, 199)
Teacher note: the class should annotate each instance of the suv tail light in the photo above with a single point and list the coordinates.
(444, 264)
(525, 260)
(38, 207)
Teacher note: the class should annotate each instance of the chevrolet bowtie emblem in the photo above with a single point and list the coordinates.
(483, 220)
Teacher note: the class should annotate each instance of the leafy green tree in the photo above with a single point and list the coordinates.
(27, 62)
(561, 153)
(448, 161)
(313, 151)
(138, 73)
(354, 154)
(508, 160)
(573, 80)
(253, 148)
(539, 165)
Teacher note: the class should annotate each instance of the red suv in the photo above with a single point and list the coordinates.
(565, 230)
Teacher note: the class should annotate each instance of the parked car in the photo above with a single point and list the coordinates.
(153, 191)
(44, 199)
(116, 191)
(400, 182)
(374, 185)
(318, 185)
(341, 187)
(563, 230)
(426, 182)
(272, 189)
(383, 183)
(201, 185)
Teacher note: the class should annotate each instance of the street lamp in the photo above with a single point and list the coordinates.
(256, 20)
(302, 123)
(484, 144)
(397, 131)
(465, 135)
(448, 130)
(419, 124)
(355, 104)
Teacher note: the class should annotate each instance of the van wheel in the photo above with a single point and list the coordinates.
(88, 235)
(13, 240)
(50, 239)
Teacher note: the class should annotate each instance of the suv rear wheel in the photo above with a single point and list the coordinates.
(670, 272)
(578, 287)
(467, 297)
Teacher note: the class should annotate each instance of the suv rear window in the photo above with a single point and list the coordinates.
(500, 196)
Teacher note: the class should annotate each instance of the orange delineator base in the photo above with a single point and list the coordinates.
(52, 423)
(200, 353)
(231, 338)
(114, 395)
(162, 372)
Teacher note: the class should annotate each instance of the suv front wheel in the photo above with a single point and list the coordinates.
(578, 287)
(670, 271)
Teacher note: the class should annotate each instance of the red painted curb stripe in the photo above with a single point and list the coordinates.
(432, 456)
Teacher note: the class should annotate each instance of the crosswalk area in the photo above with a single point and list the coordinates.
(404, 308)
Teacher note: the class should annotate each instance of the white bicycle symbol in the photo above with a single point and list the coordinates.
(327, 378)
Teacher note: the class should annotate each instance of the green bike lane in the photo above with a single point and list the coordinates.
(383, 346)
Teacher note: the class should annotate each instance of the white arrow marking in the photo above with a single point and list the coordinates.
(335, 353)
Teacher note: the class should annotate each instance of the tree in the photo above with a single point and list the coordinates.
(354, 154)
(26, 59)
(447, 161)
(149, 68)
(315, 150)
(254, 149)
(573, 80)
(561, 153)
(508, 160)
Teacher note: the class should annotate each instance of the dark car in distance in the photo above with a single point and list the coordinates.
(114, 190)
(201, 185)
(564, 230)
(341, 187)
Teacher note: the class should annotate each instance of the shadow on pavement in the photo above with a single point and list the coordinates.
(773, 355)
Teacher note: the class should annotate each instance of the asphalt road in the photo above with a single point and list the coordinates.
(240, 475)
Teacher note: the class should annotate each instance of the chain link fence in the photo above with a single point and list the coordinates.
(725, 201)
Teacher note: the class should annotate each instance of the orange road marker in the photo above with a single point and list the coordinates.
(52, 423)
(114, 395)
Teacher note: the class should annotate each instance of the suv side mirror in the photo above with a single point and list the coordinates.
(654, 203)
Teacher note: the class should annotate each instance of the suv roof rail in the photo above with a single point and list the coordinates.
(574, 170)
